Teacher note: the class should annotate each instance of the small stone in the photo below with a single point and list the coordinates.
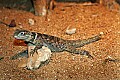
(109, 57)
(70, 31)
(118, 32)
(118, 22)
(19, 23)
(12, 23)
(20, 26)
(101, 33)
(73, 58)
(48, 19)
(59, 61)
(31, 22)
(5, 18)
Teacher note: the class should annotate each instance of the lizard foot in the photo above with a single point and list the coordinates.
(87, 54)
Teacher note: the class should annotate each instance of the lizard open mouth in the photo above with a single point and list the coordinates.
(19, 37)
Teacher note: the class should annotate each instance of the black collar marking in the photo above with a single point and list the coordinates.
(34, 37)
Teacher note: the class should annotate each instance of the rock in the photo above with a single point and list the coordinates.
(70, 31)
(101, 33)
(38, 59)
(12, 23)
(31, 22)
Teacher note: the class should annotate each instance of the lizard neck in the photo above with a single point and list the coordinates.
(33, 38)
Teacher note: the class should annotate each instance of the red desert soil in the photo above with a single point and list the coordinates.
(88, 20)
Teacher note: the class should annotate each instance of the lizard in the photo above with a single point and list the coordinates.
(55, 44)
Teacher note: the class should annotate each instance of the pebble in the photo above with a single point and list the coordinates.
(31, 22)
(20, 26)
(70, 31)
(48, 19)
(101, 33)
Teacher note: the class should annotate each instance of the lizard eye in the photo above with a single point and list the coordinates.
(22, 33)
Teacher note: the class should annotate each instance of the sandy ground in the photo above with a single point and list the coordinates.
(88, 20)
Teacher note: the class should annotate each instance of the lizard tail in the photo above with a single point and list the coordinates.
(80, 43)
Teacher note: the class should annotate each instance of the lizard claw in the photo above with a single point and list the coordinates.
(33, 51)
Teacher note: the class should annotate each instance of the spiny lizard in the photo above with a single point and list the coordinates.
(55, 44)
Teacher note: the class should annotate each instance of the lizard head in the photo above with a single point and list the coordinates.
(23, 35)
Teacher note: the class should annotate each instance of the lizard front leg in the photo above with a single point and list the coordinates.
(32, 48)
(77, 51)
(25, 53)
(32, 51)
(19, 55)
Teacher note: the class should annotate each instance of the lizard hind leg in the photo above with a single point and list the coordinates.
(77, 51)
